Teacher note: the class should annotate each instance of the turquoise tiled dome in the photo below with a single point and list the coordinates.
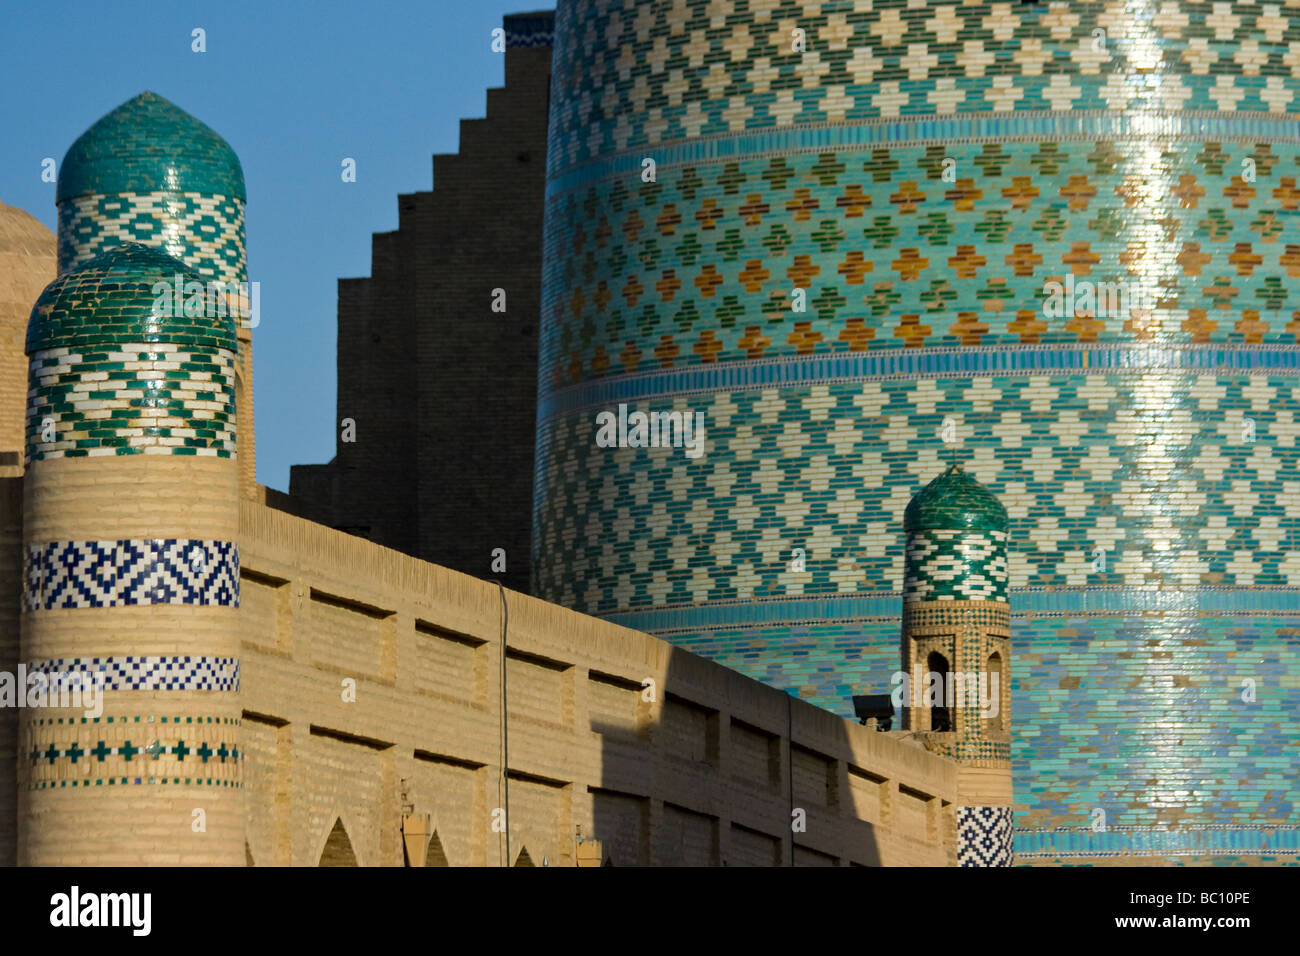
(111, 299)
(955, 502)
(149, 144)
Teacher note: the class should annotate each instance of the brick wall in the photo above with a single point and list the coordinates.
(701, 774)
(441, 467)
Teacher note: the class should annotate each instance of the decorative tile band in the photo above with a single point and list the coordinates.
(1034, 244)
(1025, 604)
(108, 751)
(630, 75)
(205, 232)
(1227, 840)
(984, 836)
(131, 398)
(149, 673)
(83, 574)
(830, 469)
(955, 566)
(904, 363)
(896, 132)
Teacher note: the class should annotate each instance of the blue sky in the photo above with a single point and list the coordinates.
(294, 88)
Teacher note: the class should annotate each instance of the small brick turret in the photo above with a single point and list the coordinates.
(956, 646)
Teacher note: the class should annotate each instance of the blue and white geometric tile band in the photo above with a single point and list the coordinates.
(148, 673)
(984, 836)
(73, 574)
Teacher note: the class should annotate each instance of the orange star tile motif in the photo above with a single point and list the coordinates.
(1021, 193)
(855, 267)
(708, 214)
(632, 227)
(803, 338)
(969, 329)
(1080, 258)
(1250, 327)
(1188, 192)
(666, 351)
(909, 264)
(754, 275)
(911, 331)
(668, 285)
(803, 204)
(857, 334)
(1287, 195)
(1085, 326)
(1029, 325)
(802, 272)
(632, 290)
(669, 220)
(964, 195)
(1240, 192)
(708, 281)
(708, 347)
(1192, 259)
(1290, 259)
(1244, 258)
(1023, 259)
(966, 262)
(1078, 192)
(754, 209)
(908, 198)
(853, 201)
(754, 342)
(630, 356)
(1199, 325)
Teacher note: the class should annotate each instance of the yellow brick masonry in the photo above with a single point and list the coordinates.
(150, 824)
(699, 774)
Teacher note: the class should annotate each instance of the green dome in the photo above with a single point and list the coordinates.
(955, 502)
(112, 299)
(146, 145)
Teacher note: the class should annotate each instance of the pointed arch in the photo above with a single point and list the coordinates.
(435, 855)
(524, 858)
(338, 847)
(248, 855)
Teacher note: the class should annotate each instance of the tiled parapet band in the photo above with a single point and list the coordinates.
(140, 571)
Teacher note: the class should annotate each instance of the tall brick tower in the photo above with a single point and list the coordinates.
(957, 652)
(131, 512)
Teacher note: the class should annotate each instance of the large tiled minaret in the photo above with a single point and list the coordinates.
(957, 652)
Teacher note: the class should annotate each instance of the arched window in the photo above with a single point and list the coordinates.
(936, 666)
(994, 679)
